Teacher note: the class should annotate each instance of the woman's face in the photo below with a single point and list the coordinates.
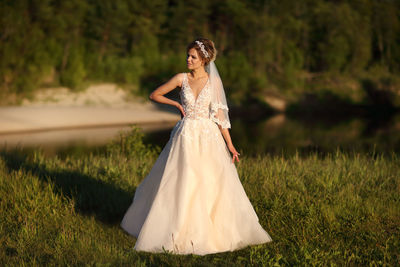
(193, 60)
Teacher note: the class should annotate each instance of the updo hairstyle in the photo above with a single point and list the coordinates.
(208, 46)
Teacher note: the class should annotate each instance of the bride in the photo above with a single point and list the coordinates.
(192, 200)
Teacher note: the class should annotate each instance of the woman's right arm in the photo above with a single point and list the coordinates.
(158, 94)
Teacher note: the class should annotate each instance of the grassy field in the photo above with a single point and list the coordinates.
(336, 209)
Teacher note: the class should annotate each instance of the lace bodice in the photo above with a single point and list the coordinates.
(195, 108)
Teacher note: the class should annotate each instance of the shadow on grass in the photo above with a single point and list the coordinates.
(91, 196)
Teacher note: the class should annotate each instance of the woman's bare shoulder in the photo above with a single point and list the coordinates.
(178, 78)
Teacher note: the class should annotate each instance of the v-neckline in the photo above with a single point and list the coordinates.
(191, 90)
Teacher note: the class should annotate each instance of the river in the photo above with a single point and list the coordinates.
(270, 135)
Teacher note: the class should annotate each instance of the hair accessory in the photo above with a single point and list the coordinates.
(203, 50)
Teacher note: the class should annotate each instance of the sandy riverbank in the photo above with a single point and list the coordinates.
(59, 116)
(98, 106)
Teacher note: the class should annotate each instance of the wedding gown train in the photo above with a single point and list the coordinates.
(192, 201)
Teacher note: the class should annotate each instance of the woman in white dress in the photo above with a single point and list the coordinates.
(192, 200)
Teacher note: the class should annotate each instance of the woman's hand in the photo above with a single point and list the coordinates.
(179, 106)
(235, 154)
(228, 140)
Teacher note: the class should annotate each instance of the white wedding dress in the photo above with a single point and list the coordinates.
(192, 200)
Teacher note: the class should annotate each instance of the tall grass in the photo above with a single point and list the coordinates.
(340, 209)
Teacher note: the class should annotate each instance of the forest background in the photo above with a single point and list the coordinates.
(336, 52)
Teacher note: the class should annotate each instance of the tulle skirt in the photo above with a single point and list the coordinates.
(192, 200)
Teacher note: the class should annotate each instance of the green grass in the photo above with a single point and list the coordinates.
(337, 209)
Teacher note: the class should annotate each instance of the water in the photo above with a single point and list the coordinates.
(279, 133)
(71, 141)
(271, 135)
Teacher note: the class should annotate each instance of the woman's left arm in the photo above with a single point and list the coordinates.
(228, 140)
